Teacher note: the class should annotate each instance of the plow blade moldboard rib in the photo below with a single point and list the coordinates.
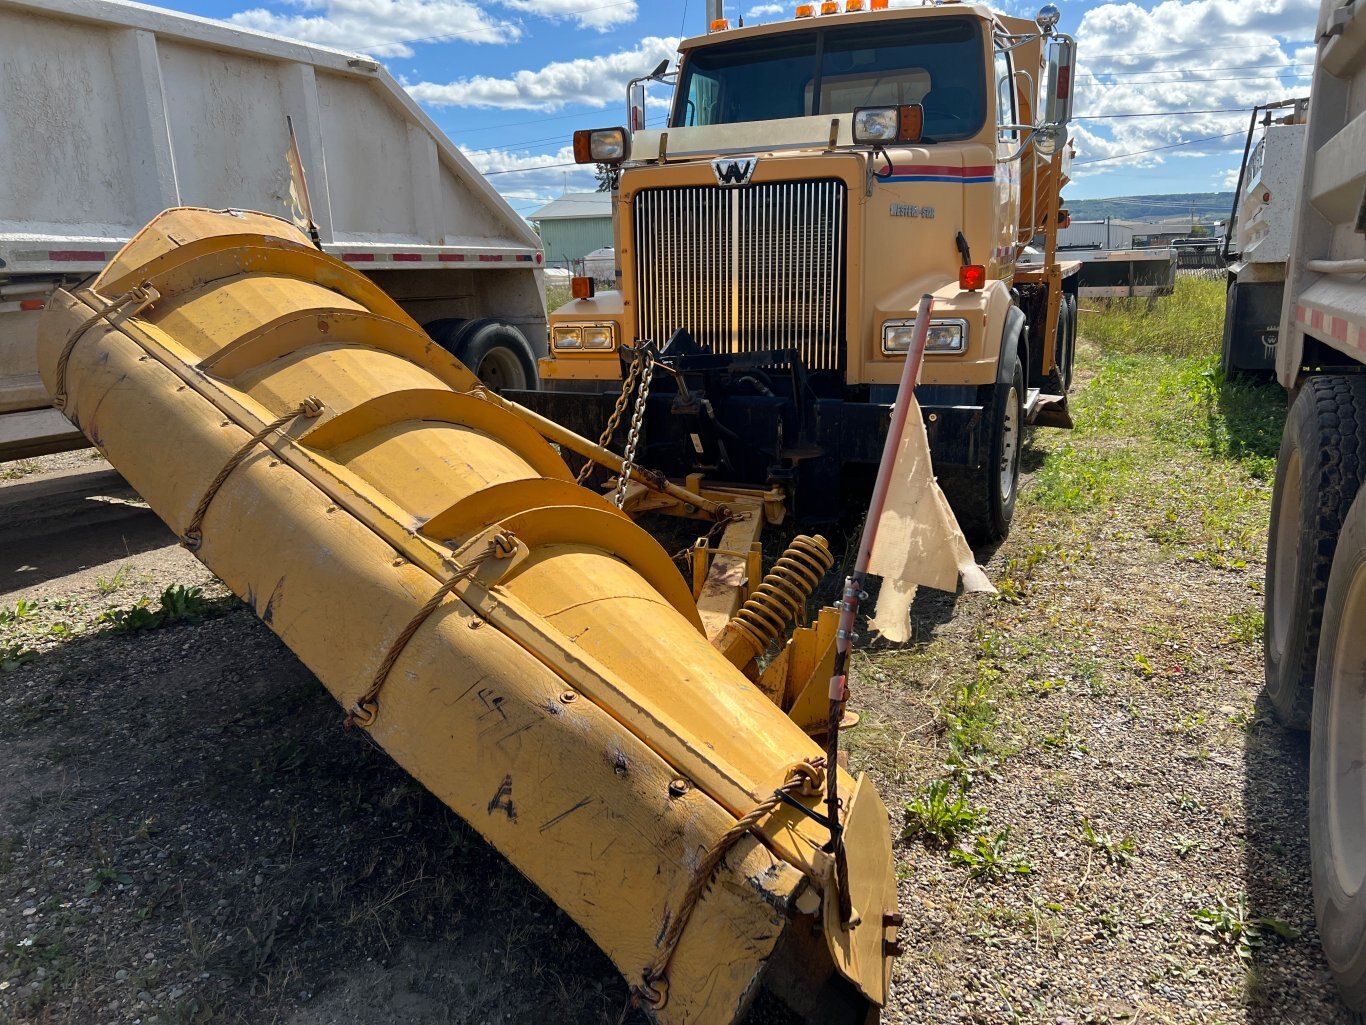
(514, 641)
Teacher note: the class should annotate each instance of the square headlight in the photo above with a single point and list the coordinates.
(566, 337)
(944, 336)
(599, 336)
(875, 124)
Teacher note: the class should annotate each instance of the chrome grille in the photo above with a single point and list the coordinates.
(744, 269)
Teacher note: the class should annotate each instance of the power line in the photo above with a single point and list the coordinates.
(545, 167)
(1163, 53)
(1154, 149)
(1162, 113)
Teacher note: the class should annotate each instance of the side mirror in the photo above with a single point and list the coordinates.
(636, 107)
(1062, 60)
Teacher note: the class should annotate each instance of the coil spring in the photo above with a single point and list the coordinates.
(782, 595)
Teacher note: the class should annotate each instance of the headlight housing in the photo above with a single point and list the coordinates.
(600, 145)
(876, 124)
(597, 337)
(946, 335)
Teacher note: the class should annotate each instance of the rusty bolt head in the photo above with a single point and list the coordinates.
(891, 948)
(475, 624)
(679, 787)
(893, 919)
(569, 697)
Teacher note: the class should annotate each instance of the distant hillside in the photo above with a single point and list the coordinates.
(1208, 207)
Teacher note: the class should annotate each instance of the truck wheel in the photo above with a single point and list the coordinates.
(1318, 472)
(1060, 378)
(497, 353)
(1072, 323)
(1226, 366)
(1337, 750)
(987, 502)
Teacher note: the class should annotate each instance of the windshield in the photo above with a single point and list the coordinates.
(938, 62)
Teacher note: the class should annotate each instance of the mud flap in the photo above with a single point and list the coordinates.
(1049, 411)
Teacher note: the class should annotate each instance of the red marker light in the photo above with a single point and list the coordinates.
(972, 278)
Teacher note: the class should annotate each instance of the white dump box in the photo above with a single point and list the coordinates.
(111, 112)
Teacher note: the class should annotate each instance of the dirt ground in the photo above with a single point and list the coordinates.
(188, 833)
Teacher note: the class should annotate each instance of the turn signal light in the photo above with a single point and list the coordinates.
(972, 277)
(719, 25)
(1064, 219)
(31, 304)
(582, 288)
(805, 10)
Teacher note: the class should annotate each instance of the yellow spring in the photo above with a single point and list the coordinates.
(782, 596)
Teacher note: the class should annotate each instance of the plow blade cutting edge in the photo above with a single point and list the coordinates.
(511, 639)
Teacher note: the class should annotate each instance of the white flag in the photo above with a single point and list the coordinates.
(918, 541)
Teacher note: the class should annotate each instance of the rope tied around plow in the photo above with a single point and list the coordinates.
(366, 708)
(804, 778)
(139, 298)
(194, 534)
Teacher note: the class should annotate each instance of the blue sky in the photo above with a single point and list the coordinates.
(510, 80)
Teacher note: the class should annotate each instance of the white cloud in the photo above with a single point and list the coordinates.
(589, 81)
(535, 178)
(600, 16)
(384, 28)
(765, 11)
(1183, 55)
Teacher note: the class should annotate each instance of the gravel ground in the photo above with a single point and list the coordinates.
(189, 835)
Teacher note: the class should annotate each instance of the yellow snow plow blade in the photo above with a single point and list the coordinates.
(513, 640)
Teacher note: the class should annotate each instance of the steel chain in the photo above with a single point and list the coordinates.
(614, 421)
(628, 457)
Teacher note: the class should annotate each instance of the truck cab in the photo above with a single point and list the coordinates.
(814, 178)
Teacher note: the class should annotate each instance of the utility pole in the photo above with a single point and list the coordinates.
(716, 10)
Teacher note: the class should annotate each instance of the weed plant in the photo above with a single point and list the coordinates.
(1175, 325)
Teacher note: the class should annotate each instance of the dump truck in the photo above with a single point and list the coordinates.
(815, 176)
(1257, 244)
(111, 112)
(1315, 621)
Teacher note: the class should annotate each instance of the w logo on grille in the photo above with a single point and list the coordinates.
(733, 172)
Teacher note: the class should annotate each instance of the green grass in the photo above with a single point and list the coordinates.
(1176, 325)
(556, 296)
(1158, 427)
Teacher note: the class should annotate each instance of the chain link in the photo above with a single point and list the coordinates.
(628, 457)
(614, 421)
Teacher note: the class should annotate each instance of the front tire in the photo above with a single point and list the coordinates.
(1318, 472)
(986, 502)
(1337, 751)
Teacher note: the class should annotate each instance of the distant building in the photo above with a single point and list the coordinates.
(1105, 235)
(573, 226)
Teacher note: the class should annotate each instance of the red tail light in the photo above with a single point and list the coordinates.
(31, 304)
(972, 277)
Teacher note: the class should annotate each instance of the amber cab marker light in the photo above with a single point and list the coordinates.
(972, 277)
(911, 123)
(805, 10)
(853, 6)
(720, 25)
(877, 5)
(581, 288)
(830, 7)
(582, 141)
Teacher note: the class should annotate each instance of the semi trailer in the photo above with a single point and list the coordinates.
(1316, 546)
(139, 109)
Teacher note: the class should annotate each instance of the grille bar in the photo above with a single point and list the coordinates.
(744, 269)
